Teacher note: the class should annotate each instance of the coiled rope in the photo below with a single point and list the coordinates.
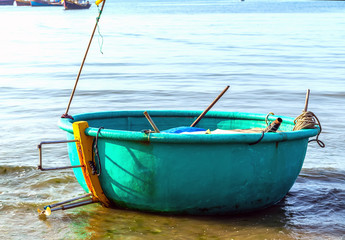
(308, 120)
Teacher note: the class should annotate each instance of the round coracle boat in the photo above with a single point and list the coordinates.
(222, 170)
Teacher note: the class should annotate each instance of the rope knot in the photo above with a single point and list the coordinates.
(308, 120)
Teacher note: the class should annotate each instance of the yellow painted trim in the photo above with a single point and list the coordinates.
(85, 153)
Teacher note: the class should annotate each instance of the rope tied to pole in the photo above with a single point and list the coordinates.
(308, 120)
(100, 36)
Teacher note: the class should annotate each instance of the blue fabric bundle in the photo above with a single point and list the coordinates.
(183, 129)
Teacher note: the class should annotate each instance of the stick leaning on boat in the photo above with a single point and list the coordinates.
(65, 115)
(209, 107)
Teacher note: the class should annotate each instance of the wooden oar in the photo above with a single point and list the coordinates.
(151, 122)
(209, 107)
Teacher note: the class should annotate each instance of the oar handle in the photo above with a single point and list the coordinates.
(151, 122)
(209, 107)
(306, 100)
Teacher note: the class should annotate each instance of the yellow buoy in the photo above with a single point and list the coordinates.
(48, 211)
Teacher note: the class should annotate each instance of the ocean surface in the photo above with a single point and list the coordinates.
(164, 54)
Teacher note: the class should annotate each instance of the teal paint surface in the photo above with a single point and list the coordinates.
(193, 174)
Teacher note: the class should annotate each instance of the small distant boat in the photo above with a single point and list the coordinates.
(74, 4)
(23, 2)
(6, 2)
(44, 3)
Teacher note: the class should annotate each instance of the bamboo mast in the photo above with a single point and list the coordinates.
(65, 115)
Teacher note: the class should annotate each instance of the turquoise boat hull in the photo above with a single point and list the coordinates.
(201, 174)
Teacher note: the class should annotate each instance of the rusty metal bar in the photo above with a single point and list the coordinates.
(40, 166)
(68, 201)
(74, 205)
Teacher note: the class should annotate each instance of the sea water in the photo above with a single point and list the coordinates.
(156, 54)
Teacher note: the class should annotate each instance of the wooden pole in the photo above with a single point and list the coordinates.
(209, 107)
(82, 64)
(151, 122)
(306, 101)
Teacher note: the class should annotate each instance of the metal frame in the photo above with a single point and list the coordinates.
(40, 166)
(68, 204)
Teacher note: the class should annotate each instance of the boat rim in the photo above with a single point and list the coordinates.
(66, 125)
